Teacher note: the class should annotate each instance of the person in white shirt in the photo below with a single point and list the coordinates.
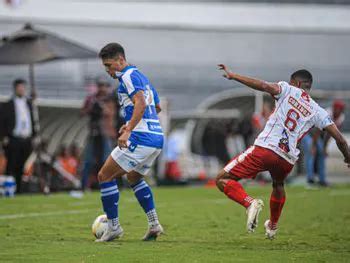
(17, 131)
(275, 149)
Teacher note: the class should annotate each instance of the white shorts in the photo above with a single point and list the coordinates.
(136, 158)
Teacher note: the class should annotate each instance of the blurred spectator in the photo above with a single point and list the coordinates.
(101, 109)
(214, 140)
(43, 167)
(245, 128)
(234, 141)
(172, 153)
(17, 131)
(259, 119)
(314, 146)
(68, 162)
(337, 113)
(64, 167)
(74, 153)
(2, 161)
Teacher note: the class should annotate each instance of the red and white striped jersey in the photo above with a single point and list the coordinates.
(295, 114)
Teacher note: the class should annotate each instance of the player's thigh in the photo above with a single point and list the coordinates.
(110, 170)
(280, 170)
(132, 157)
(145, 166)
(223, 177)
(247, 164)
(134, 177)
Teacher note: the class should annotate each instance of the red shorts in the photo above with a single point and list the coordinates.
(257, 159)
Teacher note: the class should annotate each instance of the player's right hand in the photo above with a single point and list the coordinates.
(228, 74)
(124, 132)
(122, 129)
(123, 139)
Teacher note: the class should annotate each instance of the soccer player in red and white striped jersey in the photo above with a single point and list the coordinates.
(275, 149)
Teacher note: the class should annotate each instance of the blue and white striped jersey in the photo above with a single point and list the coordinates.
(148, 131)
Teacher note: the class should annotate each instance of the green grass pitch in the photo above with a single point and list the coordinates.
(201, 225)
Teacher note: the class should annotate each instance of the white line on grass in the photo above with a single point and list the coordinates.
(25, 215)
(82, 211)
(341, 192)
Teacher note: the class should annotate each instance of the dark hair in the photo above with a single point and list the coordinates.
(17, 82)
(111, 50)
(304, 76)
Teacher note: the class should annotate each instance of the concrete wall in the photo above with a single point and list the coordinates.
(181, 58)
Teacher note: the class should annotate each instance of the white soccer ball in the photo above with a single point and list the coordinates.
(99, 226)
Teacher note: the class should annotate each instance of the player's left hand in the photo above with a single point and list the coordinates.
(124, 136)
(228, 74)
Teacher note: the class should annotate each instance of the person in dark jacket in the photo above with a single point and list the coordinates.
(17, 130)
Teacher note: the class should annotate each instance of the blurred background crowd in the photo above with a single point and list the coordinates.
(59, 115)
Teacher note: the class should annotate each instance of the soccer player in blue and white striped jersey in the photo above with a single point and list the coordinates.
(139, 144)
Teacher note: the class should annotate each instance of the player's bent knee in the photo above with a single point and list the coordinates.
(102, 178)
(277, 184)
(220, 184)
(134, 177)
(278, 187)
(221, 179)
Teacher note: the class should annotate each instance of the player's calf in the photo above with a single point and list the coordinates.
(110, 198)
(277, 200)
(228, 184)
(144, 196)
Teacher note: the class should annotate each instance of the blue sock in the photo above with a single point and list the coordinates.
(110, 199)
(144, 195)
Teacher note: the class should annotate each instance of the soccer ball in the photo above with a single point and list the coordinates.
(99, 226)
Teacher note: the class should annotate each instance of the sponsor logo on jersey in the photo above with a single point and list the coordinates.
(284, 142)
(154, 126)
(132, 163)
(299, 107)
(132, 147)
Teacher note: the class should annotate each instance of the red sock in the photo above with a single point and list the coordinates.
(276, 205)
(235, 191)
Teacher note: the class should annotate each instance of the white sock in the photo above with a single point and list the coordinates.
(113, 223)
(152, 218)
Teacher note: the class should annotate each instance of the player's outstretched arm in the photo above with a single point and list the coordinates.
(256, 84)
(341, 142)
